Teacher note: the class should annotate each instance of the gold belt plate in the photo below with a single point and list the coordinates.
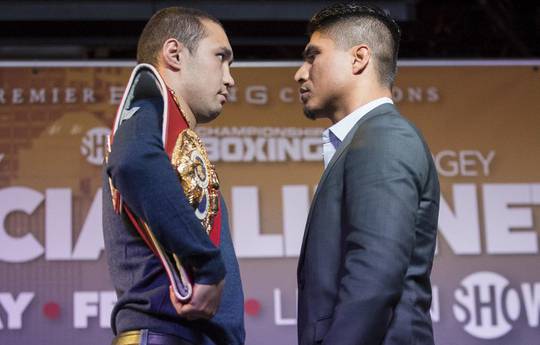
(197, 175)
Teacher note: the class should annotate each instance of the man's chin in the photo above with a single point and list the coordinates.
(209, 116)
(310, 113)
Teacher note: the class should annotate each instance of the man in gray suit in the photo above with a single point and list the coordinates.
(364, 268)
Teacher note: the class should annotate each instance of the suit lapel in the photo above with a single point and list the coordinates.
(384, 108)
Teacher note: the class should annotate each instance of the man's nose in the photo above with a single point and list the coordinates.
(302, 74)
(228, 79)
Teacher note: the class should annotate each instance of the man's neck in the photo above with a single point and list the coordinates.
(186, 111)
(356, 100)
(172, 83)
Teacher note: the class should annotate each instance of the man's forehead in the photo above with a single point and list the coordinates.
(216, 38)
(215, 31)
(317, 35)
(215, 35)
(319, 39)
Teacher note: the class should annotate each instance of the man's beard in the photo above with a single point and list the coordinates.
(319, 112)
(309, 113)
(209, 115)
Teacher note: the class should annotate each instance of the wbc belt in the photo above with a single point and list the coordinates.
(190, 161)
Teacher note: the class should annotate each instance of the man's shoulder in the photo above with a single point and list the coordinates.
(386, 126)
(145, 113)
(387, 118)
(147, 105)
(386, 114)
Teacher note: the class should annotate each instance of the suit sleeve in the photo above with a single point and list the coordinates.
(142, 172)
(384, 173)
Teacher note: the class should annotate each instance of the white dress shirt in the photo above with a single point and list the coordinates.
(334, 135)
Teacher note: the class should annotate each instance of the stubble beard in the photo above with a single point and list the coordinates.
(320, 111)
(207, 110)
(313, 113)
(208, 116)
(309, 113)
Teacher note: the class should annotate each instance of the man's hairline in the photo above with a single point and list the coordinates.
(329, 28)
(205, 34)
(326, 32)
(203, 21)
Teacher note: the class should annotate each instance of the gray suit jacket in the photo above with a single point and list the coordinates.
(365, 263)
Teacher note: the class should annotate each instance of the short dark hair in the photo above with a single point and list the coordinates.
(183, 24)
(353, 23)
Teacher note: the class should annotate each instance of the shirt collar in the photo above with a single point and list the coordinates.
(343, 127)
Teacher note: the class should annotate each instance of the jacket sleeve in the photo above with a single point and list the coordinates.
(142, 172)
(384, 173)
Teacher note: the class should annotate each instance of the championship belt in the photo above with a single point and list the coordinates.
(189, 159)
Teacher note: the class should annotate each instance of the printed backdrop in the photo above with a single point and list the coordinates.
(482, 123)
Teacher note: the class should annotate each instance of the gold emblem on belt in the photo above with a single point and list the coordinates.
(197, 176)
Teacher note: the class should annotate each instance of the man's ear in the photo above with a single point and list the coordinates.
(361, 57)
(171, 53)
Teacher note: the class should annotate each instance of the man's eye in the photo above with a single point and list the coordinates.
(221, 56)
(310, 56)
